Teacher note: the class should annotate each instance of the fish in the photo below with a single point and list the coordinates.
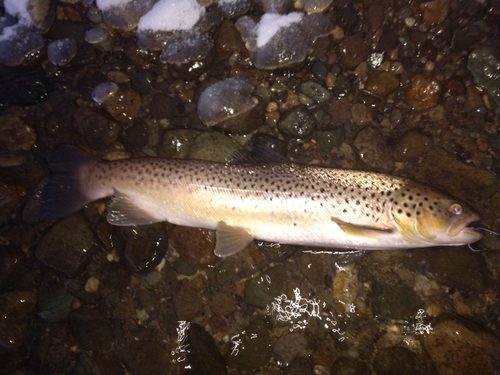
(280, 202)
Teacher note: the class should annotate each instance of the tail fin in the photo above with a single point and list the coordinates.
(63, 194)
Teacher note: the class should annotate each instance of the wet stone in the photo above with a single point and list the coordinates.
(223, 304)
(163, 106)
(12, 266)
(435, 11)
(342, 87)
(313, 268)
(123, 106)
(289, 347)
(467, 272)
(68, 246)
(96, 129)
(484, 63)
(458, 346)
(16, 135)
(297, 122)
(412, 145)
(372, 149)
(349, 366)
(56, 307)
(254, 350)
(187, 301)
(399, 360)
(146, 358)
(16, 309)
(213, 146)
(195, 245)
(423, 93)
(300, 366)
(277, 253)
(61, 52)
(263, 288)
(144, 246)
(90, 330)
(352, 51)
(135, 137)
(395, 301)
(315, 91)
(176, 143)
(184, 268)
(203, 355)
(445, 171)
(382, 83)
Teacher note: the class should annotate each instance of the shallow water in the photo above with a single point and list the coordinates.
(388, 90)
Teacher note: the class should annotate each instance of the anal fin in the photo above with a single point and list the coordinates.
(230, 240)
(123, 211)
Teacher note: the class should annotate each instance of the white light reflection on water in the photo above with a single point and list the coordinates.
(182, 348)
(420, 327)
(297, 311)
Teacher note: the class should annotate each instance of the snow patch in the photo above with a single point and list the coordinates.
(19, 9)
(169, 15)
(107, 4)
(271, 23)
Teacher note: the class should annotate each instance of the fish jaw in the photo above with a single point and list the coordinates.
(463, 232)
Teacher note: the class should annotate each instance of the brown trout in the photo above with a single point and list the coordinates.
(278, 202)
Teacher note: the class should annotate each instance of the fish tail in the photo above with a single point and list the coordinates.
(63, 194)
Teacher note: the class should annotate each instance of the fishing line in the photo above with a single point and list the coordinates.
(484, 230)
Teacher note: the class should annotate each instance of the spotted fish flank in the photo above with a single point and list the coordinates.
(281, 202)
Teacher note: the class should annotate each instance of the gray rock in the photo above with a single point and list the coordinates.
(297, 122)
(372, 149)
(484, 63)
(315, 91)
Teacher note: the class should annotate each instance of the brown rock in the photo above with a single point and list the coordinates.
(195, 245)
(382, 83)
(423, 93)
(461, 347)
(435, 11)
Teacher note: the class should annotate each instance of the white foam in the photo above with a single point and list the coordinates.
(18, 8)
(107, 4)
(169, 15)
(270, 23)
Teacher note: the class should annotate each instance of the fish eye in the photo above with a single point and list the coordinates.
(456, 208)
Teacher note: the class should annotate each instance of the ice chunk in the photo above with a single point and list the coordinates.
(61, 51)
(229, 106)
(194, 46)
(123, 14)
(19, 9)
(103, 91)
(169, 15)
(281, 41)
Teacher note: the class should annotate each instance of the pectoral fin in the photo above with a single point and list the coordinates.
(230, 240)
(360, 230)
(123, 211)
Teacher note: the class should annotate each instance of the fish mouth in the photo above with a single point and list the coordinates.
(462, 226)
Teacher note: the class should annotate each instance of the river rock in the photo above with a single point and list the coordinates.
(458, 346)
(68, 246)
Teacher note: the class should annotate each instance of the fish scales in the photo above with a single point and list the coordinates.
(279, 202)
